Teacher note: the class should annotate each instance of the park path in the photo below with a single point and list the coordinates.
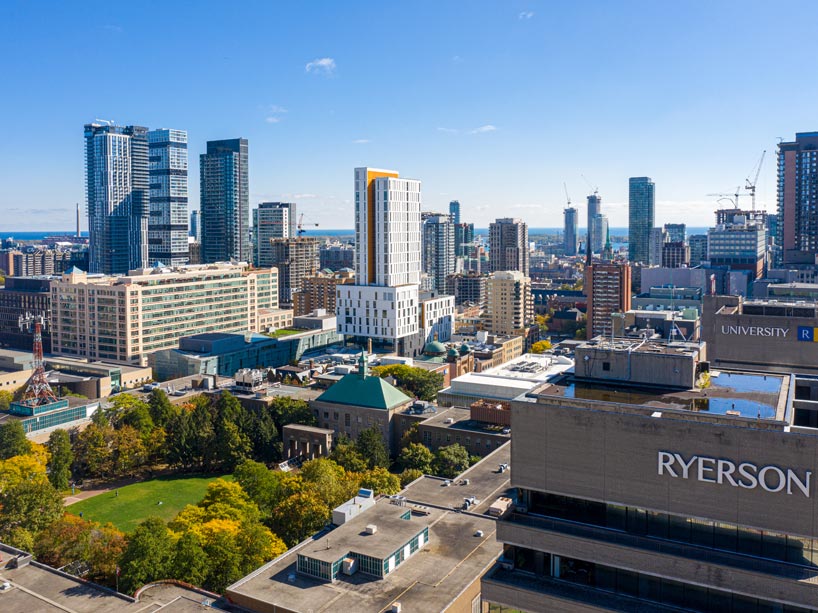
(90, 493)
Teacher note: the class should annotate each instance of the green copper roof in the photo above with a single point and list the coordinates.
(371, 392)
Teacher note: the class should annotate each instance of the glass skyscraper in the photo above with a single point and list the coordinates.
(168, 224)
(641, 212)
(454, 211)
(225, 202)
(116, 165)
(570, 231)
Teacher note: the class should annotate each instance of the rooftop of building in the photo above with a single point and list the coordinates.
(362, 389)
(36, 587)
(460, 548)
(459, 418)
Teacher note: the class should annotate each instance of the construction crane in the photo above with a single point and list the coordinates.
(593, 188)
(731, 197)
(567, 197)
(300, 225)
(750, 186)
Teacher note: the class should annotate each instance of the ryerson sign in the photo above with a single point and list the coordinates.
(743, 474)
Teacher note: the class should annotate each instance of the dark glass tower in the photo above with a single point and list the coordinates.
(641, 212)
(225, 202)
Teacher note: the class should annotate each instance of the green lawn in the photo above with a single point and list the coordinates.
(284, 332)
(141, 500)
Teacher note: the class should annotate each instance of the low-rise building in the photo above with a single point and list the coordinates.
(319, 292)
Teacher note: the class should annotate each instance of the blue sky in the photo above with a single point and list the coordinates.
(493, 103)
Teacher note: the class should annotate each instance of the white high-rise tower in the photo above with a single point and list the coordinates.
(384, 303)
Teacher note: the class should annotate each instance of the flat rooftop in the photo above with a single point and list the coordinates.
(430, 580)
(462, 421)
(38, 588)
(729, 394)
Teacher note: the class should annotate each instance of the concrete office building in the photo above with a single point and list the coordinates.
(117, 188)
(508, 245)
(509, 305)
(125, 318)
(296, 259)
(570, 235)
(698, 249)
(384, 305)
(468, 287)
(320, 291)
(675, 254)
(225, 202)
(767, 335)
(676, 232)
(438, 249)
(271, 220)
(668, 498)
(336, 255)
(739, 246)
(454, 211)
(608, 287)
(436, 316)
(641, 212)
(168, 223)
(797, 229)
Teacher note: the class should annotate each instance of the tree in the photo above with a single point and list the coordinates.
(105, 548)
(451, 460)
(190, 562)
(299, 516)
(409, 475)
(230, 444)
(264, 436)
(139, 418)
(286, 410)
(423, 384)
(541, 347)
(329, 481)
(346, 454)
(160, 407)
(5, 399)
(93, 450)
(418, 457)
(128, 451)
(372, 447)
(13, 440)
(381, 480)
(148, 556)
(261, 484)
(257, 546)
(224, 560)
(30, 505)
(229, 494)
(62, 457)
(121, 404)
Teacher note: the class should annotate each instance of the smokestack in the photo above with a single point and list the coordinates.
(78, 219)
(369, 345)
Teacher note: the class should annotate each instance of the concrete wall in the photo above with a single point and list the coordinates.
(613, 457)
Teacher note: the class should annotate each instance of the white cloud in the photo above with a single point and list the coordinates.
(272, 119)
(525, 15)
(361, 141)
(448, 130)
(323, 65)
(483, 129)
(275, 109)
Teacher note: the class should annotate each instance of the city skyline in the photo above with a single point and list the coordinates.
(517, 99)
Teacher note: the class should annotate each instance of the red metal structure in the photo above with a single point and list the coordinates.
(38, 392)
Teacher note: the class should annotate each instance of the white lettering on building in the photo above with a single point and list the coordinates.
(755, 331)
(744, 474)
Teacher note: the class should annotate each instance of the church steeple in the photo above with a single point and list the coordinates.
(363, 366)
(607, 252)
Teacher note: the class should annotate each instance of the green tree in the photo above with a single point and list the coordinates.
(541, 347)
(93, 450)
(299, 516)
(451, 460)
(418, 457)
(13, 440)
(264, 436)
(5, 399)
(329, 481)
(381, 480)
(128, 451)
(139, 418)
(190, 562)
(286, 410)
(148, 556)
(257, 546)
(231, 445)
(62, 457)
(120, 405)
(372, 447)
(229, 494)
(409, 475)
(346, 455)
(417, 382)
(31, 505)
(160, 407)
(224, 561)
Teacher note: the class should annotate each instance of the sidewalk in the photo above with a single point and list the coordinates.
(90, 493)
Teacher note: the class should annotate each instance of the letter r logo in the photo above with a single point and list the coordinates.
(806, 333)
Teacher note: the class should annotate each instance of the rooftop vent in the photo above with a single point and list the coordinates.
(371, 529)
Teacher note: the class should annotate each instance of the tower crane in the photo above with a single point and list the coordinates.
(567, 197)
(750, 186)
(300, 225)
(733, 198)
(595, 189)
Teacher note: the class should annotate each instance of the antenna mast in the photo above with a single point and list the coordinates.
(38, 392)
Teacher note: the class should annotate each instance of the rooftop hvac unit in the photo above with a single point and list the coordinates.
(397, 608)
(350, 566)
(371, 529)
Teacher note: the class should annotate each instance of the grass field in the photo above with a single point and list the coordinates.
(141, 500)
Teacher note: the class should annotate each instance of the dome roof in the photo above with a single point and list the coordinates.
(434, 348)
(452, 353)
(464, 349)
